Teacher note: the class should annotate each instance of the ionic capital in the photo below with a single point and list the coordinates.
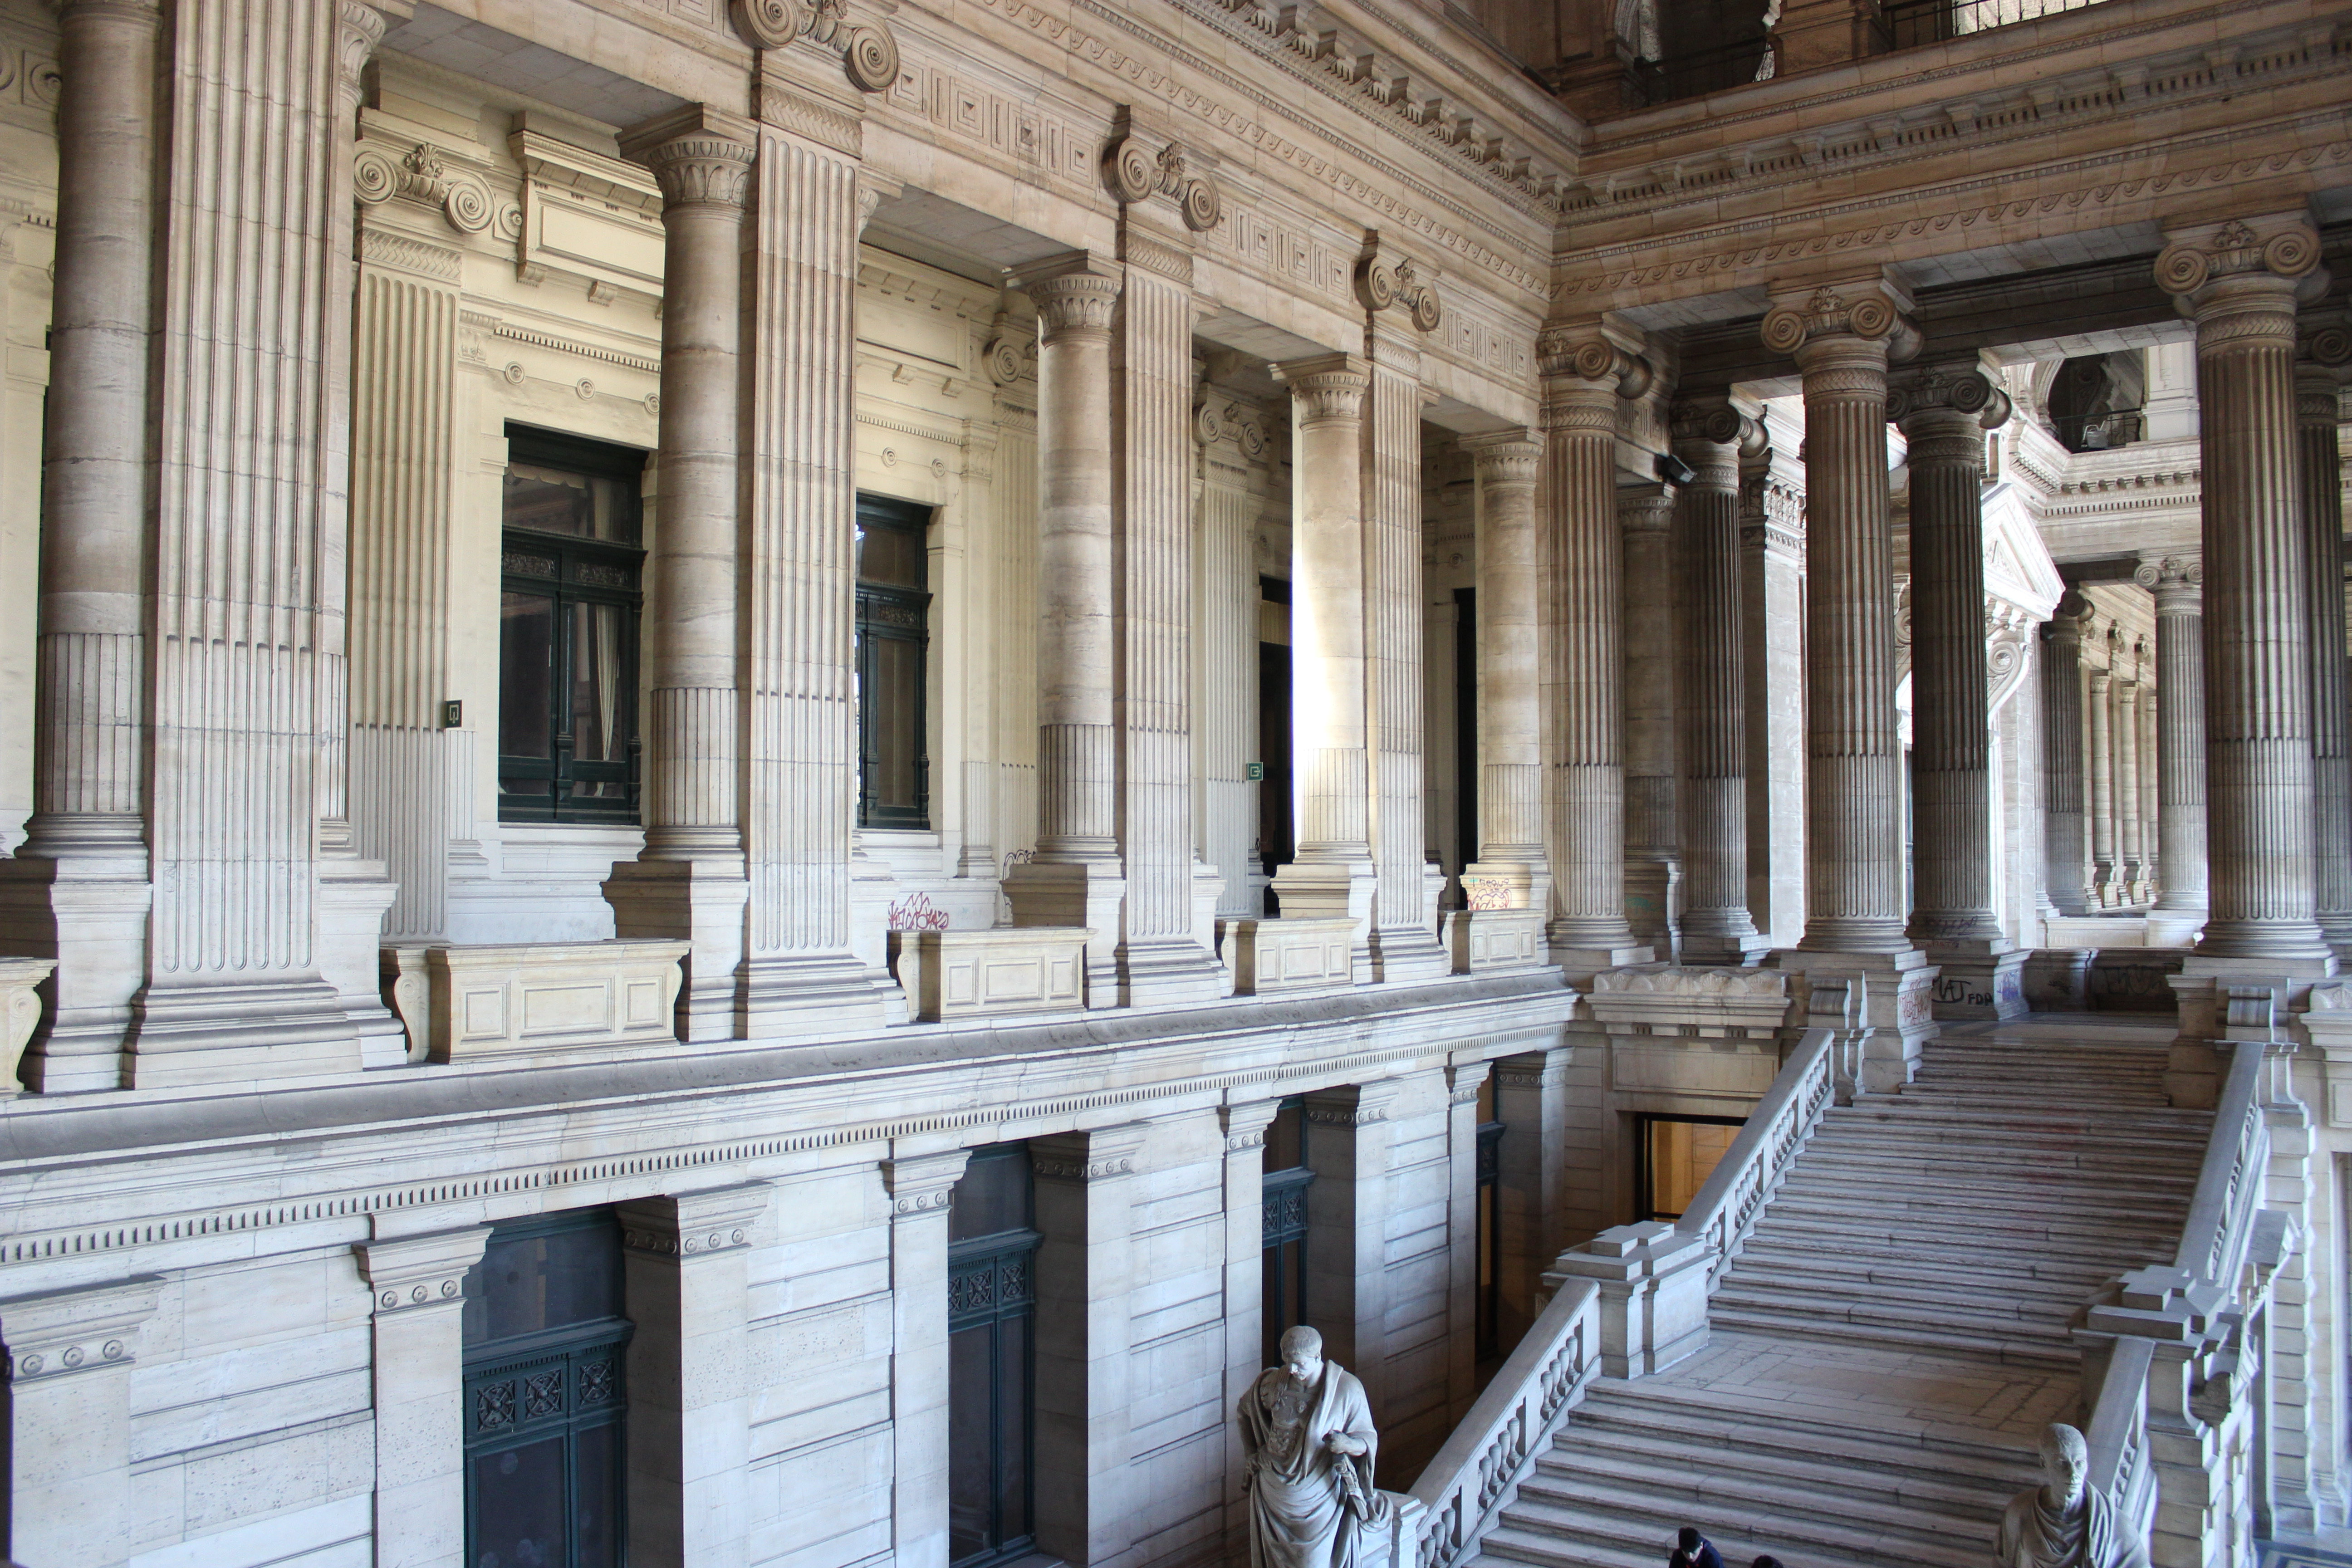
(1136, 172)
(1326, 389)
(869, 53)
(1867, 322)
(1581, 353)
(698, 156)
(1104, 1154)
(1947, 387)
(1712, 436)
(1074, 295)
(359, 28)
(2176, 582)
(1505, 459)
(2194, 259)
(62, 1332)
(1382, 283)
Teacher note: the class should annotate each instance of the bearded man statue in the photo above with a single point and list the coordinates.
(1307, 1448)
(2063, 1522)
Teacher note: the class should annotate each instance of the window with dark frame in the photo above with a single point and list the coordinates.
(992, 1358)
(1283, 1255)
(893, 659)
(570, 570)
(546, 1403)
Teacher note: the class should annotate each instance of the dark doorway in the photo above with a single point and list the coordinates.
(1277, 840)
(1490, 1226)
(1673, 1158)
(1466, 727)
(545, 1405)
(1283, 1304)
(991, 1345)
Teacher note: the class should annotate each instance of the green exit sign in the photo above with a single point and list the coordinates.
(1256, 770)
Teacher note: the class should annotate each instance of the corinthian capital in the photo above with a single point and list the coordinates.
(1074, 293)
(2176, 582)
(2195, 259)
(701, 156)
(1325, 388)
(1947, 387)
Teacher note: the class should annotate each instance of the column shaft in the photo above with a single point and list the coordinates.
(2240, 292)
(1243, 1124)
(1510, 709)
(2063, 816)
(2100, 741)
(1224, 661)
(2319, 488)
(1645, 517)
(2129, 872)
(1085, 1212)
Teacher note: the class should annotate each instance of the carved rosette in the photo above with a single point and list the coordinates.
(1136, 174)
(868, 51)
(701, 170)
(1381, 286)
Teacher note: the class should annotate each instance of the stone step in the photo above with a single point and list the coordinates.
(2020, 1110)
(2087, 1098)
(1891, 1154)
(1831, 1304)
(2014, 1348)
(1964, 1225)
(1537, 1549)
(2027, 1301)
(1615, 1516)
(1942, 1257)
(1607, 1447)
(2155, 1213)
(1711, 1490)
(1925, 1126)
(2008, 1271)
(1875, 1436)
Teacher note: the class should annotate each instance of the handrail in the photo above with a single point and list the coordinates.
(1776, 1132)
(2117, 1435)
(1476, 1473)
(2229, 1181)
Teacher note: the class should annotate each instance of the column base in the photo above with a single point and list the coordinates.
(1407, 953)
(249, 1032)
(1332, 889)
(1169, 972)
(1652, 893)
(2336, 926)
(784, 997)
(1579, 957)
(1736, 951)
(353, 896)
(1082, 894)
(2192, 1077)
(1978, 979)
(1896, 1020)
(872, 890)
(696, 901)
(89, 914)
(2175, 928)
(1490, 941)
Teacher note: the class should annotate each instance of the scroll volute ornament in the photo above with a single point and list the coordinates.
(1381, 284)
(2235, 250)
(869, 53)
(1589, 357)
(1963, 392)
(1872, 316)
(1135, 173)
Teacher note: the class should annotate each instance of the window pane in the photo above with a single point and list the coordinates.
(558, 500)
(895, 556)
(968, 1471)
(1285, 1138)
(526, 656)
(544, 1279)
(596, 1502)
(994, 1193)
(601, 695)
(518, 1507)
(896, 720)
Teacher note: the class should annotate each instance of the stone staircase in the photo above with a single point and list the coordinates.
(1893, 1337)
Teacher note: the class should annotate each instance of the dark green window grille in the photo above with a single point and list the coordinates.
(1283, 1255)
(894, 644)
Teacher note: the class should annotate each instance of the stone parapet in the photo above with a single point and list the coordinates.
(976, 974)
(464, 1004)
(1294, 954)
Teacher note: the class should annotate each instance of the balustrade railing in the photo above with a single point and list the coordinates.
(1475, 1474)
(1905, 23)
(1777, 1130)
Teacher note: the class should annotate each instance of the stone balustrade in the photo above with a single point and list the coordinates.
(978, 974)
(20, 1011)
(1294, 954)
(525, 999)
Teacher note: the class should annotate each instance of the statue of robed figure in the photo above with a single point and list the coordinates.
(1308, 1447)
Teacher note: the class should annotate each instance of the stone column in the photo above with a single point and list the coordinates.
(1711, 692)
(2239, 285)
(417, 1360)
(1075, 879)
(70, 1354)
(1332, 876)
(1244, 1124)
(2319, 409)
(1531, 1195)
(2130, 873)
(1462, 1085)
(687, 1288)
(1772, 659)
(77, 890)
(2099, 711)
(1854, 779)
(1945, 410)
(2064, 820)
(1584, 376)
(1645, 521)
(1510, 870)
(2151, 815)
(688, 882)
(1160, 959)
(1084, 1192)
(1404, 927)
(800, 974)
(1348, 1211)
(919, 1186)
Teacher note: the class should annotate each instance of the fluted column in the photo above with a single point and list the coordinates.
(1332, 876)
(2130, 873)
(1710, 687)
(1944, 411)
(1585, 375)
(77, 890)
(2176, 584)
(2099, 710)
(688, 882)
(2064, 825)
(2325, 348)
(2151, 808)
(2239, 285)
(1233, 471)
(1510, 871)
(1645, 517)
(1843, 340)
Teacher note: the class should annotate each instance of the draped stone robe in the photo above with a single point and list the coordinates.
(1309, 1507)
(2031, 1536)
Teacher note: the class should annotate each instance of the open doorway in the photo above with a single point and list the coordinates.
(1673, 1158)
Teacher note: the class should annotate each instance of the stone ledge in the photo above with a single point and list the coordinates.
(520, 999)
(1482, 941)
(1295, 953)
(987, 973)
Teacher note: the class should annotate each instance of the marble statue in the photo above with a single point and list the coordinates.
(1307, 1448)
(2063, 1522)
